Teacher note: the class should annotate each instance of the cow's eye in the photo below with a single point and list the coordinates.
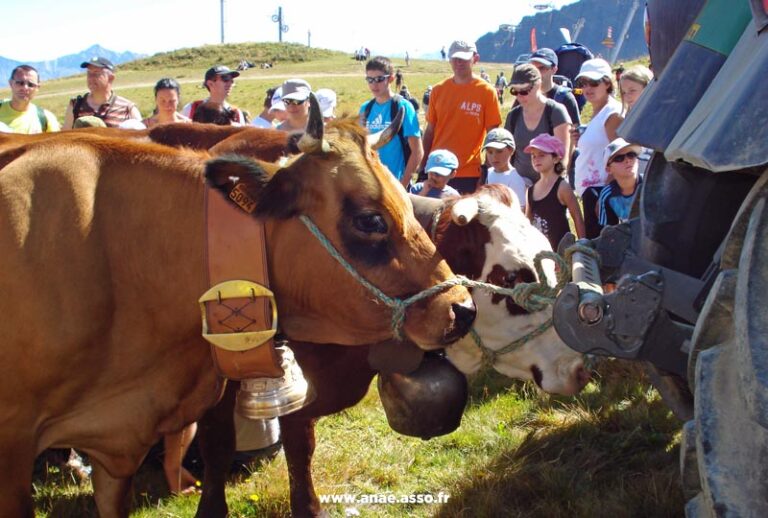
(519, 276)
(370, 223)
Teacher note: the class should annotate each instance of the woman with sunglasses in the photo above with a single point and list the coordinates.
(620, 160)
(296, 99)
(533, 115)
(595, 78)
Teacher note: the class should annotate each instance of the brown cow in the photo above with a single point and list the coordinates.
(102, 266)
(500, 239)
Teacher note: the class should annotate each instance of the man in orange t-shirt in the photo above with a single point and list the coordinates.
(462, 109)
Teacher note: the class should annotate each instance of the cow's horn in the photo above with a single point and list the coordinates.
(382, 138)
(312, 141)
(464, 210)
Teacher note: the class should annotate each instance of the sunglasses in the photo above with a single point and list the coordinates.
(28, 84)
(620, 158)
(581, 83)
(227, 79)
(376, 79)
(294, 102)
(521, 92)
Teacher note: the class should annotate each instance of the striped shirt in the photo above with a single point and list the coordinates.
(116, 110)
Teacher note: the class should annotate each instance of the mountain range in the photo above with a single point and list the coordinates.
(588, 22)
(67, 65)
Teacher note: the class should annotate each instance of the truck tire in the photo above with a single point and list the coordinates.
(724, 450)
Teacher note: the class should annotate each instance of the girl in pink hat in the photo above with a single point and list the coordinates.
(550, 196)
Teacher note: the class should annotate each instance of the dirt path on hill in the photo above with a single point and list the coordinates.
(119, 85)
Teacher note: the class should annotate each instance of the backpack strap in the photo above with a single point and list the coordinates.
(548, 111)
(42, 118)
(77, 104)
(394, 107)
(193, 108)
(367, 110)
(512, 117)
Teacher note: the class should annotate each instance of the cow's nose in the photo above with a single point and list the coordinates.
(464, 315)
(582, 376)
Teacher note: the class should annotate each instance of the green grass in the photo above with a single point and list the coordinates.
(612, 451)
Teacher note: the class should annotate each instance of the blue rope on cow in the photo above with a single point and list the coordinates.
(533, 296)
(398, 306)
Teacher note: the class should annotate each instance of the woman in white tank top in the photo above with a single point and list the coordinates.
(595, 78)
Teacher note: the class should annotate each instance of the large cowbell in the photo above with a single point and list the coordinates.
(264, 398)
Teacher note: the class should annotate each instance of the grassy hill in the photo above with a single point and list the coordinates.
(321, 68)
(232, 54)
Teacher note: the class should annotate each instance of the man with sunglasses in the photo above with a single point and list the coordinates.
(462, 109)
(101, 101)
(219, 81)
(401, 155)
(545, 60)
(296, 100)
(18, 113)
(615, 201)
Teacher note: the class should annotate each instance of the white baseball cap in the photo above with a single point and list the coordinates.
(326, 98)
(277, 100)
(462, 50)
(296, 89)
(595, 69)
(615, 147)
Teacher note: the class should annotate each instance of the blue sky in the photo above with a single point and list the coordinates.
(46, 29)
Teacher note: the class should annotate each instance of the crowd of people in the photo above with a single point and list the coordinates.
(464, 144)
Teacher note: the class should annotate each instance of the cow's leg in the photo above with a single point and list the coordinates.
(216, 441)
(298, 434)
(111, 494)
(16, 464)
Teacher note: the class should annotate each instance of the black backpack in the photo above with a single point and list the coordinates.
(396, 98)
(515, 113)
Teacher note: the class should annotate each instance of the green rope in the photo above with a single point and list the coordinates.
(548, 296)
(532, 296)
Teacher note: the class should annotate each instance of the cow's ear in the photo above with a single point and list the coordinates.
(282, 197)
(226, 172)
(279, 195)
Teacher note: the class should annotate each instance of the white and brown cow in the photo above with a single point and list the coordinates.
(506, 258)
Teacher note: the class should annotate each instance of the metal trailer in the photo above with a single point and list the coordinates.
(691, 265)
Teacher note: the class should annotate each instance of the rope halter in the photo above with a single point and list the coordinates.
(532, 296)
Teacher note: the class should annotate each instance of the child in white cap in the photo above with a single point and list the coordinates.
(620, 160)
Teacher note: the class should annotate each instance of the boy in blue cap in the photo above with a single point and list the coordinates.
(441, 167)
